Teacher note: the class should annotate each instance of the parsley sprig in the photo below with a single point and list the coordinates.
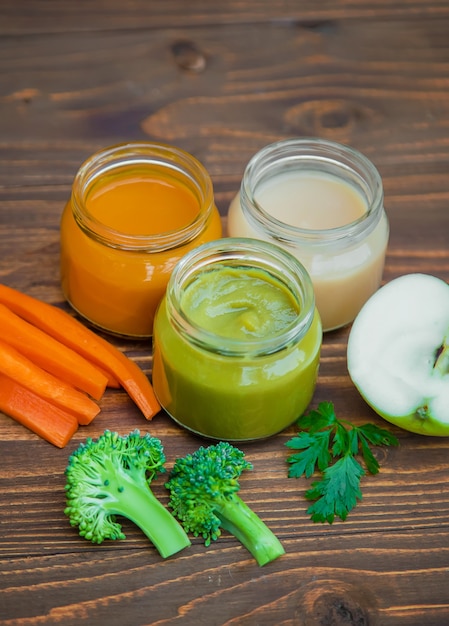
(330, 446)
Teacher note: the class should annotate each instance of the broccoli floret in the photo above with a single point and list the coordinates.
(111, 476)
(203, 490)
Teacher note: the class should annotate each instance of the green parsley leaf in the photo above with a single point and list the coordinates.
(330, 446)
(337, 493)
(371, 462)
(378, 436)
(315, 453)
(341, 440)
(316, 420)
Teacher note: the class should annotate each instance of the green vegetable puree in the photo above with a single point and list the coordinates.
(239, 303)
(227, 396)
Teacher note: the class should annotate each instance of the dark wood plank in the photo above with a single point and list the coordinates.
(47, 16)
(335, 581)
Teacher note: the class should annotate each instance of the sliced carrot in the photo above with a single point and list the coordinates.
(131, 377)
(18, 367)
(38, 415)
(113, 383)
(71, 332)
(50, 354)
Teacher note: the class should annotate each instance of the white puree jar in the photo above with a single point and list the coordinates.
(323, 202)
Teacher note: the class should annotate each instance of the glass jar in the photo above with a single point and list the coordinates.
(323, 202)
(237, 341)
(134, 211)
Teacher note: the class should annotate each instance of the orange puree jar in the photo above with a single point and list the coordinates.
(134, 211)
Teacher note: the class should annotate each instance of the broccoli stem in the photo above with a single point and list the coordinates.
(237, 518)
(135, 501)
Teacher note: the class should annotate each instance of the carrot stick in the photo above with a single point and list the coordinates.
(131, 377)
(69, 331)
(50, 354)
(113, 383)
(18, 367)
(44, 419)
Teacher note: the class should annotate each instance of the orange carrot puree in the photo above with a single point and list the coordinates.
(143, 205)
(118, 288)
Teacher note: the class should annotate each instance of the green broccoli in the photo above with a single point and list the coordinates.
(111, 476)
(203, 495)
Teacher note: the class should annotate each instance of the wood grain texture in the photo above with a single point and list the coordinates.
(47, 16)
(221, 80)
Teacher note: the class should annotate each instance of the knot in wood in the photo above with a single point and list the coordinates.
(188, 57)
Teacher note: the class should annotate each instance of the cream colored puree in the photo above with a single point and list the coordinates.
(343, 279)
(228, 396)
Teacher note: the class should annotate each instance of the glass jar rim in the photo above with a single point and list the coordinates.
(241, 252)
(134, 153)
(289, 153)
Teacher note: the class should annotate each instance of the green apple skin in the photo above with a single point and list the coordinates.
(398, 354)
(413, 423)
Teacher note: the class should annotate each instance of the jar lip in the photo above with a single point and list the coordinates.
(251, 253)
(319, 152)
(124, 155)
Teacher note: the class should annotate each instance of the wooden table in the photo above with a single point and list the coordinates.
(221, 80)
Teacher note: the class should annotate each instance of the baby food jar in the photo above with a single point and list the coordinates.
(323, 202)
(134, 211)
(237, 341)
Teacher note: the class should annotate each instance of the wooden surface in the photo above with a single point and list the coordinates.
(222, 79)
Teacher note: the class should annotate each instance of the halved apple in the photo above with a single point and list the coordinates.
(398, 353)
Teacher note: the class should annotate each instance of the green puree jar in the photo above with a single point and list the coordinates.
(237, 341)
